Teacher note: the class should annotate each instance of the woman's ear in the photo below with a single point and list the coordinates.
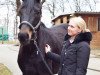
(79, 30)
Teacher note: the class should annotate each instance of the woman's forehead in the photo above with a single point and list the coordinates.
(72, 23)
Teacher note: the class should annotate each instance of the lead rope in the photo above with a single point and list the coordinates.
(39, 51)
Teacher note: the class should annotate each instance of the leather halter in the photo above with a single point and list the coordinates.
(33, 28)
(29, 24)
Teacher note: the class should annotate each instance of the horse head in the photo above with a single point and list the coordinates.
(30, 19)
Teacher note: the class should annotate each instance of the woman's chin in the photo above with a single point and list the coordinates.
(69, 34)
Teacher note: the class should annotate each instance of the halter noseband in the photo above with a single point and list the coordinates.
(30, 25)
(33, 28)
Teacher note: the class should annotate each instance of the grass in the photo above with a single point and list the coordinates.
(4, 70)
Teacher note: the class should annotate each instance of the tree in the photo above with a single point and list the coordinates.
(12, 7)
(83, 5)
(18, 3)
(54, 6)
(51, 6)
(62, 7)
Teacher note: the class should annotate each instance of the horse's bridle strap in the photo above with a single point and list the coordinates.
(33, 28)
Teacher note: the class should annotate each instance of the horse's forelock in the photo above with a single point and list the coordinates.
(29, 8)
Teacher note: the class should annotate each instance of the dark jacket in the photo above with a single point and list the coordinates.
(74, 56)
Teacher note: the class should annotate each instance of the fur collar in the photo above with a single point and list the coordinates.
(87, 37)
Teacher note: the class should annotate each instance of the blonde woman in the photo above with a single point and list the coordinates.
(76, 50)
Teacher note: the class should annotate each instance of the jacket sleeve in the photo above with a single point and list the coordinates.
(83, 54)
(53, 56)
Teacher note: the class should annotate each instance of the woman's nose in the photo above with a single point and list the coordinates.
(68, 27)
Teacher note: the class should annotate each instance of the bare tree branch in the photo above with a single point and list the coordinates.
(69, 4)
(89, 4)
(77, 5)
(62, 5)
(51, 8)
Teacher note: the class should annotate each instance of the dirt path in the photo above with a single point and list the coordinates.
(9, 58)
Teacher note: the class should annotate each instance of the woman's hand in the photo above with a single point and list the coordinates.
(47, 48)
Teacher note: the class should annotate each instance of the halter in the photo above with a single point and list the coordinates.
(29, 24)
(33, 28)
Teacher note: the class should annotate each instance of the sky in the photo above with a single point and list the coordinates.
(46, 17)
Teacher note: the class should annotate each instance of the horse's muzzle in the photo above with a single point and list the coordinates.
(23, 38)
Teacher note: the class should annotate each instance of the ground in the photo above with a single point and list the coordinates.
(96, 52)
(9, 53)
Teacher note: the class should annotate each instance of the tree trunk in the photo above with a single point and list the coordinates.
(18, 3)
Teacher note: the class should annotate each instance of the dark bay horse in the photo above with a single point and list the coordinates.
(33, 32)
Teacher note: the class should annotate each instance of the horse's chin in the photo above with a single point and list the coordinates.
(25, 43)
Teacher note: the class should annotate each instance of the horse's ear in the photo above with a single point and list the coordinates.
(42, 1)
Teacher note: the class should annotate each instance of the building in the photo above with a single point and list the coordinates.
(92, 20)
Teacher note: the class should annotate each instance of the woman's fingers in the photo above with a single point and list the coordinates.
(47, 48)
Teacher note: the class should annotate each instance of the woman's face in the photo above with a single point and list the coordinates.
(73, 29)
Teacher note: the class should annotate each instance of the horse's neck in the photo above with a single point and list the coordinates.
(41, 34)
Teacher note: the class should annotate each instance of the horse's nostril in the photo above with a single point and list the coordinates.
(22, 37)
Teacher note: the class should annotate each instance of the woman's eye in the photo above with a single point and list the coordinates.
(71, 26)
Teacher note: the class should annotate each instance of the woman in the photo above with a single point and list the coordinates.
(76, 50)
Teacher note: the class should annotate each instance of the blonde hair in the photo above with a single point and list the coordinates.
(80, 23)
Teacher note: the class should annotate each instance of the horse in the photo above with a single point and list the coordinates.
(33, 36)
